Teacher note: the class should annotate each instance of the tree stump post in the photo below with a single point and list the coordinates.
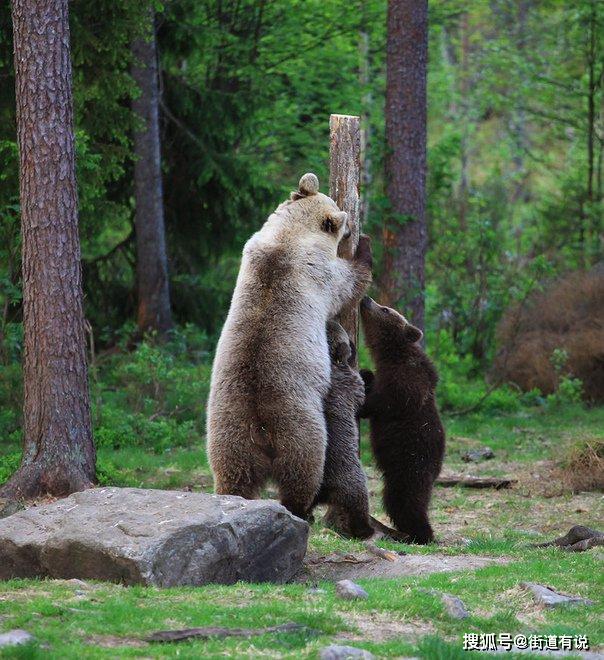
(344, 189)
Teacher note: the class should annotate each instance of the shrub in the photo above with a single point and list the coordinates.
(458, 389)
(583, 465)
(568, 390)
(8, 464)
(120, 429)
(154, 382)
(568, 315)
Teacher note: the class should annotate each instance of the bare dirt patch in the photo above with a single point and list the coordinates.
(339, 566)
(379, 627)
(113, 642)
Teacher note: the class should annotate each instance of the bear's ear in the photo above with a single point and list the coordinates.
(333, 222)
(412, 334)
(308, 185)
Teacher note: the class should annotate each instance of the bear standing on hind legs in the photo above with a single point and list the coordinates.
(407, 436)
(344, 485)
(271, 372)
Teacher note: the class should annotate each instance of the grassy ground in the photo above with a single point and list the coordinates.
(401, 618)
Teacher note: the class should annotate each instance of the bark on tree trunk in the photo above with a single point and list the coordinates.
(405, 234)
(154, 313)
(58, 453)
(344, 185)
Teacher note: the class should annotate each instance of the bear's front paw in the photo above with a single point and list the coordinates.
(363, 254)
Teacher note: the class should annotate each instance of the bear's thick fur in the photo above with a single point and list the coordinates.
(271, 372)
(407, 436)
(344, 485)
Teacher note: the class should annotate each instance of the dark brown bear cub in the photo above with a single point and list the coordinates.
(407, 436)
(344, 485)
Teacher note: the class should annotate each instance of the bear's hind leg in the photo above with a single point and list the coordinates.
(238, 465)
(409, 513)
(243, 485)
(298, 471)
(348, 498)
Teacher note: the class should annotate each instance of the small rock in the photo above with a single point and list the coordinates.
(335, 652)
(74, 582)
(477, 455)
(454, 606)
(348, 590)
(550, 598)
(8, 507)
(15, 638)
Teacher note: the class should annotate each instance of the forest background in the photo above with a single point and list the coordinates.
(514, 192)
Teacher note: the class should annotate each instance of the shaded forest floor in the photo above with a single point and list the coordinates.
(401, 617)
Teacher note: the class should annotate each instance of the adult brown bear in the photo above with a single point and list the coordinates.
(271, 372)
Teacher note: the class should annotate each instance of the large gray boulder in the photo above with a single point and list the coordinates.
(154, 537)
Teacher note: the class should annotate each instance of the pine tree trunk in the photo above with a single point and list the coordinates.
(405, 235)
(58, 453)
(154, 313)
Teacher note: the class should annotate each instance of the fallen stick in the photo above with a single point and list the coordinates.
(585, 544)
(220, 633)
(388, 555)
(577, 539)
(476, 482)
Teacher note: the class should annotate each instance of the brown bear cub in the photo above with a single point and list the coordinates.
(407, 436)
(344, 485)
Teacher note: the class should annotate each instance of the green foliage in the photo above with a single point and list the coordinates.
(569, 389)
(155, 396)
(149, 400)
(459, 389)
(8, 464)
(246, 92)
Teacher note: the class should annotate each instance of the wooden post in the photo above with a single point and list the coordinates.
(344, 189)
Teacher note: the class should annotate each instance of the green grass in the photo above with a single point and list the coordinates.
(71, 621)
(528, 435)
(400, 618)
(533, 434)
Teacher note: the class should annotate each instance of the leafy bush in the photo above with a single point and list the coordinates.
(120, 429)
(153, 397)
(458, 388)
(568, 389)
(10, 402)
(8, 464)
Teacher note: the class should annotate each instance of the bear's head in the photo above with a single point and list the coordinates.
(317, 212)
(385, 329)
(340, 349)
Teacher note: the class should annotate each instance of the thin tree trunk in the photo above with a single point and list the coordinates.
(405, 236)
(154, 313)
(591, 119)
(58, 453)
(464, 91)
(366, 104)
(518, 115)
